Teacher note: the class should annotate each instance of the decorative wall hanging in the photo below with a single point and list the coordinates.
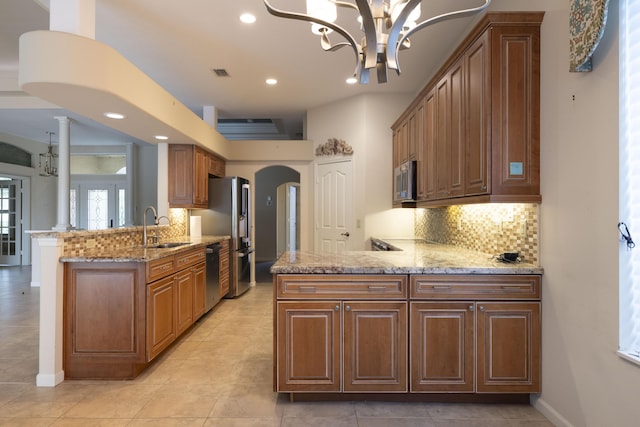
(587, 21)
(334, 146)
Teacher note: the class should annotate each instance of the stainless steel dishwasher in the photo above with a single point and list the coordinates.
(212, 291)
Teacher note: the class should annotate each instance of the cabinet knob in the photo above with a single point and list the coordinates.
(471, 307)
(482, 308)
(483, 188)
(336, 308)
(347, 308)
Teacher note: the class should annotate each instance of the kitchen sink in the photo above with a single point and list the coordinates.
(168, 245)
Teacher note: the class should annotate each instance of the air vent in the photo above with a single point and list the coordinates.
(220, 72)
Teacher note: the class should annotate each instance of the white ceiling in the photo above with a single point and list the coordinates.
(178, 43)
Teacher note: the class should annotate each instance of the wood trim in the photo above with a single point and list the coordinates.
(313, 286)
(494, 287)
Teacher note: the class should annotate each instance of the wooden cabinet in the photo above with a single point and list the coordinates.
(104, 320)
(488, 324)
(216, 166)
(176, 300)
(446, 334)
(188, 176)
(224, 269)
(333, 334)
(161, 316)
(120, 316)
(482, 116)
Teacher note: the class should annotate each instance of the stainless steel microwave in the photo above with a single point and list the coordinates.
(404, 182)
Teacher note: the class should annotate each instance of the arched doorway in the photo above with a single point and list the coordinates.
(266, 185)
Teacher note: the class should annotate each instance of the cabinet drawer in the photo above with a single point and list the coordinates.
(159, 268)
(475, 287)
(192, 257)
(341, 286)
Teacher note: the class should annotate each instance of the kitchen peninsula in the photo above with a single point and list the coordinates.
(429, 320)
(123, 306)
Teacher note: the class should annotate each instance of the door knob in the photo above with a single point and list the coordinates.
(346, 234)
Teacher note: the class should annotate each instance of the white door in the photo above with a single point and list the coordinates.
(97, 206)
(10, 221)
(334, 205)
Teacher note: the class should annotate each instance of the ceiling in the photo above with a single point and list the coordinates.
(178, 44)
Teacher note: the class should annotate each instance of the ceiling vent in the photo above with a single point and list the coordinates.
(220, 72)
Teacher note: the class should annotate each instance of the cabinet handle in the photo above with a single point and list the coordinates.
(336, 308)
(471, 307)
(482, 308)
(307, 288)
(376, 288)
(347, 308)
(512, 288)
(441, 287)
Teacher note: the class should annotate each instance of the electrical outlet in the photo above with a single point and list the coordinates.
(523, 228)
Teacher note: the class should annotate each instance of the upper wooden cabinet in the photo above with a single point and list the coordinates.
(189, 170)
(481, 116)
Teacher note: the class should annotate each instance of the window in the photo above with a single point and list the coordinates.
(629, 305)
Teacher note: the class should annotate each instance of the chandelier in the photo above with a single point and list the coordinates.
(387, 25)
(48, 164)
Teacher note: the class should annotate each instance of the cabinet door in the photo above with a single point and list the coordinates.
(457, 132)
(308, 346)
(419, 137)
(200, 177)
(515, 110)
(429, 152)
(184, 292)
(161, 316)
(508, 347)
(180, 175)
(442, 138)
(442, 351)
(477, 109)
(199, 290)
(375, 346)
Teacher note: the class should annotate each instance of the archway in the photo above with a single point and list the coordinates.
(267, 181)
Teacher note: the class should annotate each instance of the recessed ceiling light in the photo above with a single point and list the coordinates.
(352, 81)
(271, 81)
(116, 116)
(161, 137)
(247, 18)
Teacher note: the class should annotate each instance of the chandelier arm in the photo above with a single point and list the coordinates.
(370, 34)
(338, 29)
(395, 34)
(392, 53)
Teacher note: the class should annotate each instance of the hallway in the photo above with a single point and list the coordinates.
(218, 374)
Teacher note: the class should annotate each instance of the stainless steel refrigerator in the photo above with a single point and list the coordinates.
(229, 213)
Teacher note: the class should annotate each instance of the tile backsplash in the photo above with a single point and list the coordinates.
(77, 242)
(490, 228)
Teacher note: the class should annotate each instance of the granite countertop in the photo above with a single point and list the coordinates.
(141, 253)
(414, 257)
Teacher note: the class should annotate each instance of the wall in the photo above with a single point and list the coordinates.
(364, 122)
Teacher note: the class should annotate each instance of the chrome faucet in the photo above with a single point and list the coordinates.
(144, 225)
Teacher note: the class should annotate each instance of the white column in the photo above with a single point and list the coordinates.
(163, 179)
(50, 371)
(64, 173)
(130, 195)
(73, 16)
(210, 115)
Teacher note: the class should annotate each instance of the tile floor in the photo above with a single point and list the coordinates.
(219, 374)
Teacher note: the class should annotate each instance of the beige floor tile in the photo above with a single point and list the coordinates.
(27, 422)
(320, 422)
(167, 422)
(243, 422)
(391, 410)
(247, 401)
(318, 409)
(91, 422)
(395, 422)
(181, 401)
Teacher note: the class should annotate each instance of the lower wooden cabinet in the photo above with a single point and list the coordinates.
(367, 334)
(118, 316)
(161, 315)
(334, 346)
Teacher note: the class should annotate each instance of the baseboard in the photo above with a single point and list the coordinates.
(49, 380)
(549, 411)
